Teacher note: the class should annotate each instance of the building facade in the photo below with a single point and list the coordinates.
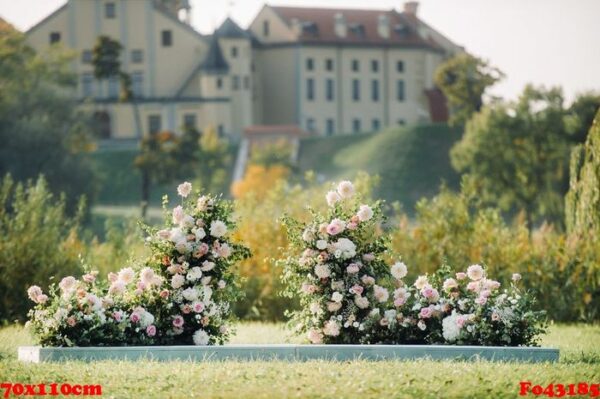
(329, 71)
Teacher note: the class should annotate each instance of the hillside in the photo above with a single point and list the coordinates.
(412, 161)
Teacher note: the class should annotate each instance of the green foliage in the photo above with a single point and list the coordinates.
(213, 158)
(270, 154)
(580, 115)
(464, 80)
(41, 130)
(561, 270)
(38, 242)
(583, 198)
(518, 153)
(106, 58)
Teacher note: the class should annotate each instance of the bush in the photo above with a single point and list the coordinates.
(38, 242)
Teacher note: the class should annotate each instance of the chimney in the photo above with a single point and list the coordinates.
(340, 25)
(383, 26)
(411, 7)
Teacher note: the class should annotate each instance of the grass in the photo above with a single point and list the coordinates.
(412, 161)
(580, 362)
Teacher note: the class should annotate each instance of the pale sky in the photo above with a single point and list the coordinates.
(548, 42)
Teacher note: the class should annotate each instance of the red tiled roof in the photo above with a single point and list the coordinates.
(438, 108)
(323, 24)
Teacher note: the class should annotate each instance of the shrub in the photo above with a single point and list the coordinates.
(38, 242)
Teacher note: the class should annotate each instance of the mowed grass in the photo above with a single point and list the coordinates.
(580, 362)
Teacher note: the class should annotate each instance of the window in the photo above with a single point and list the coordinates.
(167, 38)
(86, 57)
(54, 37)
(310, 89)
(87, 85)
(356, 125)
(110, 10)
(401, 122)
(154, 124)
(137, 84)
(329, 64)
(355, 66)
(329, 88)
(234, 52)
(137, 56)
(221, 130)
(400, 66)
(101, 125)
(310, 64)
(219, 83)
(400, 90)
(236, 82)
(189, 121)
(266, 28)
(247, 82)
(374, 65)
(375, 90)
(376, 125)
(310, 124)
(113, 87)
(356, 89)
(330, 128)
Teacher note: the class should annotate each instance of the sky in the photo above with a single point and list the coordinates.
(544, 42)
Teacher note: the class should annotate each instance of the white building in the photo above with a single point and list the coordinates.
(329, 71)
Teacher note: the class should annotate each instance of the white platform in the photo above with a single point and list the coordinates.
(36, 354)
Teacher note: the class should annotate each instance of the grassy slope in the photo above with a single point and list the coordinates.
(411, 161)
(580, 362)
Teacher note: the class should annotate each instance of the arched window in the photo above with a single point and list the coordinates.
(102, 124)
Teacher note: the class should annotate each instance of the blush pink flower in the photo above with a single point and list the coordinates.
(461, 276)
(426, 313)
(178, 321)
(357, 289)
(151, 330)
(135, 317)
(336, 226)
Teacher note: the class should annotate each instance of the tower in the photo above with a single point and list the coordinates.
(176, 7)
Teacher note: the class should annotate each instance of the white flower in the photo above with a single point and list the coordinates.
(399, 270)
(178, 214)
(332, 197)
(315, 336)
(194, 274)
(449, 284)
(201, 337)
(380, 293)
(199, 233)
(147, 276)
(421, 282)
(516, 277)
(308, 235)
(117, 287)
(421, 324)
(361, 301)
(337, 297)
(190, 294)
(176, 235)
(390, 314)
(67, 284)
(126, 275)
(34, 292)
(177, 281)
(475, 272)
(315, 308)
(345, 189)
(184, 189)
(321, 244)
(346, 247)
(364, 213)
(204, 203)
(187, 222)
(332, 328)
(207, 266)
(322, 271)
(218, 228)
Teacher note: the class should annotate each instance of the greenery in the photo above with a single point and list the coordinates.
(38, 242)
(464, 80)
(583, 199)
(41, 129)
(579, 362)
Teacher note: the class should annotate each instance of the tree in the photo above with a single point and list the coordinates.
(518, 153)
(583, 198)
(213, 161)
(42, 131)
(464, 80)
(580, 116)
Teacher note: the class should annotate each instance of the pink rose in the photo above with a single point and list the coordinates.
(368, 257)
(178, 321)
(356, 289)
(151, 330)
(481, 300)
(134, 317)
(399, 301)
(461, 276)
(198, 307)
(42, 298)
(426, 313)
(336, 226)
(352, 268)
(164, 294)
(71, 321)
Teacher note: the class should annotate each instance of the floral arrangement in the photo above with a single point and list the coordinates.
(348, 294)
(181, 294)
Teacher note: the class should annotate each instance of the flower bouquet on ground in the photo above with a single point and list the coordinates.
(180, 295)
(349, 295)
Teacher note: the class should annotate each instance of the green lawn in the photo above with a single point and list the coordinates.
(412, 161)
(580, 362)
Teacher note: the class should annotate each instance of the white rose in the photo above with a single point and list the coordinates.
(475, 272)
(321, 244)
(399, 270)
(337, 297)
(332, 197)
(201, 338)
(421, 282)
(322, 271)
(364, 213)
(184, 189)
(177, 281)
(126, 275)
(218, 228)
(345, 189)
